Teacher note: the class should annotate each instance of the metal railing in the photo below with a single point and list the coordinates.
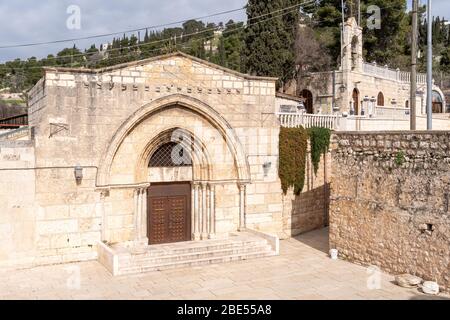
(14, 122)
(295, 120)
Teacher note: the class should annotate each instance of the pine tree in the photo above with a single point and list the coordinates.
(269, 40)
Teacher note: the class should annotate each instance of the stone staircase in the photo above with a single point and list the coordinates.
(122, 259)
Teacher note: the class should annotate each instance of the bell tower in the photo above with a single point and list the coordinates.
(352, 46)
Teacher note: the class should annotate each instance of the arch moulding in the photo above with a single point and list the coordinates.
(192, 104)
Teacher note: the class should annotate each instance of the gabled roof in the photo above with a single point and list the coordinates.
(162, 57)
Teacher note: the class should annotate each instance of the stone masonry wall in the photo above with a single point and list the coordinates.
(17, 185)
(390, 201)
(75, 115)
(309, 210)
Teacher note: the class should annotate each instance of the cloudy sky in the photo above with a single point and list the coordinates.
(30, 21)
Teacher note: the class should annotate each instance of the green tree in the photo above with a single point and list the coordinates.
(231, 45)
(383, 45)
(392, 39)
(70, 57)
(269, 40)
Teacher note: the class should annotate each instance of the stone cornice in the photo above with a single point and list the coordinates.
(162, 57)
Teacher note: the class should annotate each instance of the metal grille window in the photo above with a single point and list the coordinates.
(170, 155)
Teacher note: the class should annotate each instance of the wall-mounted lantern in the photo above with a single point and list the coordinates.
(78, 172)
(342, 88)
(394, 102)
(266, 168)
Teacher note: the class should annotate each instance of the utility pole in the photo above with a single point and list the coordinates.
(429, 68)
(342, 34)
(412, 113)
(359, 13)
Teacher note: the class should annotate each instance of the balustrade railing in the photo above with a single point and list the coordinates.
(391, 74)
(295, 120)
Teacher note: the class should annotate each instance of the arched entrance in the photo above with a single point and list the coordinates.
(174, 198)
(355, 97)
(309, 103)
(169, 203)
(438, 102)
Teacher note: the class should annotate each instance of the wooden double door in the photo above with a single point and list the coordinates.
(169, 213)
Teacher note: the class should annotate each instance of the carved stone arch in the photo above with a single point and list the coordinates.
(183, 101)
(201, 163)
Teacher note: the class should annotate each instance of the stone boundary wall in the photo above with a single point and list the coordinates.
(309, 210)
(389, 205)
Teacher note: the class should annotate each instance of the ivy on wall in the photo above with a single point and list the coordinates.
(293, 145)
(320, 142)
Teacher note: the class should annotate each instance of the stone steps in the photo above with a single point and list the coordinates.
(199, 255)
(194, 263)
(190, 248)
(126, 259)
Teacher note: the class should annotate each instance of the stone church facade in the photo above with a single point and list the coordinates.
(102, 142)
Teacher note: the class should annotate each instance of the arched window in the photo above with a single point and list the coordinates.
(307, 95)
(380, 99)
(407, 104)
(170, 154)
(438, 102)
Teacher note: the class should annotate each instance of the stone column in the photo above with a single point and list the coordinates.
(137, 225)
(103, 195)
(212, 210)
(195, 212)
(140, 214)
(204, 210)
(144, 209)
(242, 204)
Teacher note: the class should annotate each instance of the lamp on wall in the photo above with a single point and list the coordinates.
(394, 102)
(266, 168)
(78, 172)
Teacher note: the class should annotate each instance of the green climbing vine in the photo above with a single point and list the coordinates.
(293, 147)
(400, 158)
(320, 142)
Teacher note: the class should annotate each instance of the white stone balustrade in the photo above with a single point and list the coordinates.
(387, 73)
(295, 120)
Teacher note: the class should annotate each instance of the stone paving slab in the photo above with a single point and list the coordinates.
(302, 271)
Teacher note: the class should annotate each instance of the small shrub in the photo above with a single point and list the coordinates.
(400, 158)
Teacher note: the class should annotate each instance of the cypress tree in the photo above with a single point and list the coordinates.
(269, 40)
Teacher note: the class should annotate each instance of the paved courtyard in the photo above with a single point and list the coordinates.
(302, 271)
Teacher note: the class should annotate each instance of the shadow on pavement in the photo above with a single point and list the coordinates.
(317, 239)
